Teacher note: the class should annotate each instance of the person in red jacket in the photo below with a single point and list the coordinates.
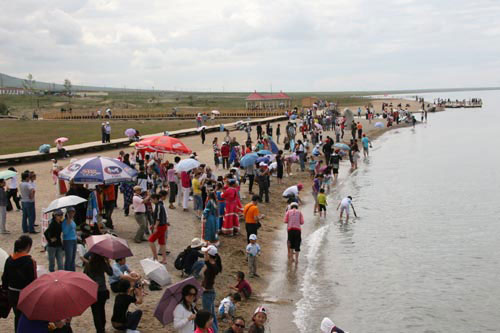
(225, 150)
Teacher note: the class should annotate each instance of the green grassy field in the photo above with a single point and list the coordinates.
(27, 135)
(149, 101)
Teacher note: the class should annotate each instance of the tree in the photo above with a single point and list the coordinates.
(29, 86)
(3, 108)
(67, 88)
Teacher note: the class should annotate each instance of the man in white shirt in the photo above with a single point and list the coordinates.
(138, 203)
(292, 193)
(12, 192)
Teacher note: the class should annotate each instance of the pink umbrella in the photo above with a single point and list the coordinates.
(61, 139)
(172, 296)
(58, 295)
(109, 246)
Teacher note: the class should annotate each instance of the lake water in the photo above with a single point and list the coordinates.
(424, 254)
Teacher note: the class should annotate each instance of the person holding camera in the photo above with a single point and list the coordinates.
(123, 319)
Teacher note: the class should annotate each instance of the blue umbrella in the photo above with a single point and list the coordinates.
(248, 159)
(98, 170)
(342, 146)
(379, 125)
(293, 117)
(44, 149)
(264, 159)
(274, 147)
(264, 152)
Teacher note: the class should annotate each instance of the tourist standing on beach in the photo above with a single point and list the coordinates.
(252, 217)
(344, 205)
(215, 147)
(278, 133)
(253, 250)
(12, 193)
(294, 220)
(231, 224)
(18, 272)
(202, 135)
(69, 239)
(138, 202)
(279, 166)
(160, 226)
(185, 312)
(354, 127)
(95, 269)
(53, 233)
(3, 208)
(300, 150)
(212, 268)
(359, 126)
(263, 181)
(103, 132)
(27, 203)
(209, 218)
(259, 131)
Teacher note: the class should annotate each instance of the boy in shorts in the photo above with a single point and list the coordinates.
(160, 226)
(322, 202)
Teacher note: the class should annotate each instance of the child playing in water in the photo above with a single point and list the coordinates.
(322, 202)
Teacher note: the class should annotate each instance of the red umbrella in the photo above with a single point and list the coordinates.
(144, 143)
(56, 296)
(109, 246)
(164, 144)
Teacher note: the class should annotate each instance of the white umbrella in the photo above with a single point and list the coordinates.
(187, 164)
(215, 112)
(64, 202)
(201, 128)
(3, 258)
(156, 271)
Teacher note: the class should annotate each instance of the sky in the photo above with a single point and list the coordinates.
(291, 45)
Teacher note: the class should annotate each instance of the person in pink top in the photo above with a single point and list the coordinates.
(294, 219)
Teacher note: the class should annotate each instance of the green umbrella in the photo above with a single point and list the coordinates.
(6, 174)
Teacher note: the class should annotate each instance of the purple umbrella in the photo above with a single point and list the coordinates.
(109, 246)
(172, 296)
(130, 132)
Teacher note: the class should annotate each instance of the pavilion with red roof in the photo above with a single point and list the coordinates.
(257, 101)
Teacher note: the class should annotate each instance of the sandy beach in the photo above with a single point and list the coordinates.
(184, 226)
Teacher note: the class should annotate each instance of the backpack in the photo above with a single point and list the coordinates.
(179, 261)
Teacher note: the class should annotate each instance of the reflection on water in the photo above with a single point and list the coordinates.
(423, 256)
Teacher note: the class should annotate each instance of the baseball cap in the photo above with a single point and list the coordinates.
(300, 186)
(253, 237)
(262, 164)
(211, 250)
(260, 309)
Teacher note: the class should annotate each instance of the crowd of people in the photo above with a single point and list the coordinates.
(216, 203)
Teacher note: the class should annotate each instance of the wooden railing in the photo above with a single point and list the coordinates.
(121, 114)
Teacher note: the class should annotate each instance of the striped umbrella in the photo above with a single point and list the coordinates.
(98, 170)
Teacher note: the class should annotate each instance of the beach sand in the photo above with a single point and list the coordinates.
(184, 226)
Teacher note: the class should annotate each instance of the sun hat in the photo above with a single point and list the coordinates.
(327, 325)
(196, 242)
(137, 187)
(294, 204)
(253, 237)
(300, 186)
(260, 309)
(211, 250)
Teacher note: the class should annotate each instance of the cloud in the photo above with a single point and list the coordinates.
(245, 45)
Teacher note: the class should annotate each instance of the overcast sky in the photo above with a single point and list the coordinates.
(295, 45)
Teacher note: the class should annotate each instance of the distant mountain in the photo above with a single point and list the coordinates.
(14, 82)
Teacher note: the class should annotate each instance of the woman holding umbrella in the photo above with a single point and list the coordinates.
(60, 149)
(95, 269)
(54, 242)
(185, 311)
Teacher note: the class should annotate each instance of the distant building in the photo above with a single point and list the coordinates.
(13, 91)
(256, 101)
